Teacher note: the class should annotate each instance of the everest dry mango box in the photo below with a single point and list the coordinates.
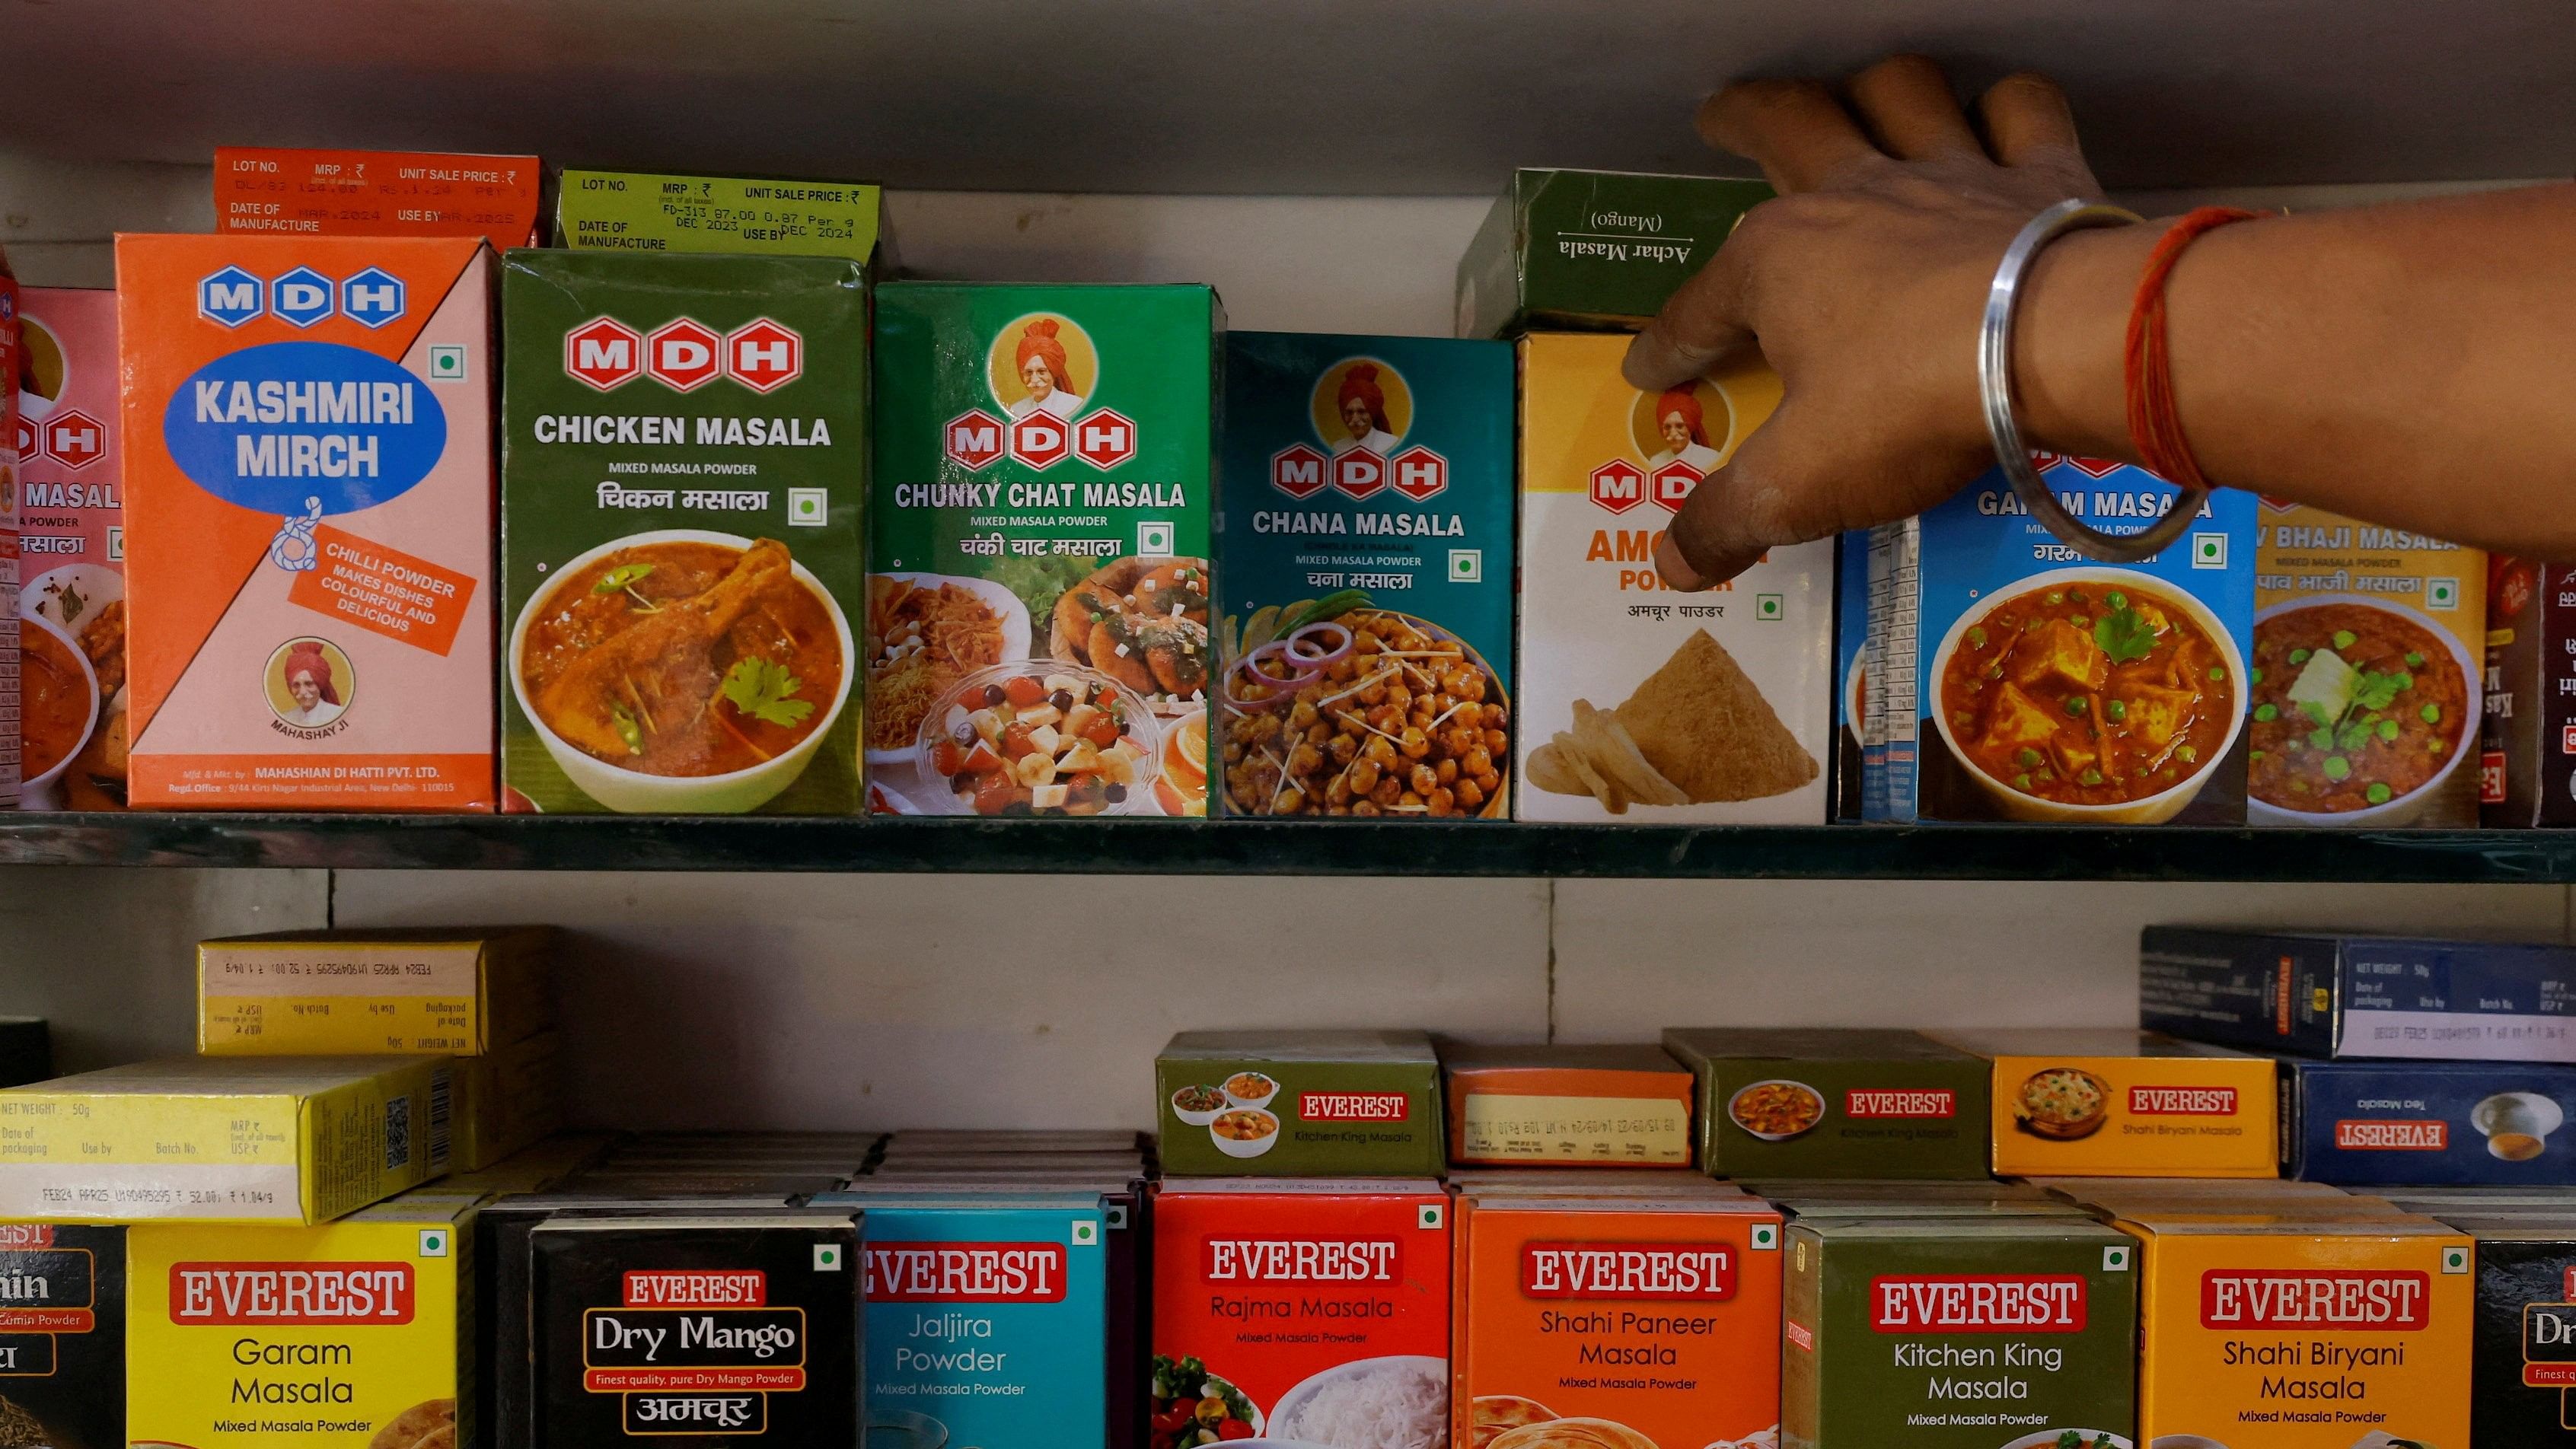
(71, 519)
(307, 428)
(2523, 1360)
(2110, 1103)
(224, 1139)
(356, 1334)
(304, 993)
(1637, 703)
(63, 1334)
(2281, 1333)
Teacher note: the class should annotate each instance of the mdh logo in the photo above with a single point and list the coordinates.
(302, 297)
(684, 354)
(1103, 438)
(1620, 485)
(72, 438)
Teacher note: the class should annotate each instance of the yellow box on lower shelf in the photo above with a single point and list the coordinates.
(224, 1139)
(507, 1100)
(431, 992)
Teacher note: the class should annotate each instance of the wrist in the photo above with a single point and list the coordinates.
(2070, 341)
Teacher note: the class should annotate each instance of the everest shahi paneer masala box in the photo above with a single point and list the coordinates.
(1038, 589)
(71, 519)
(1365, 635)
(684, 461)
(307, 428)
(1707, 707)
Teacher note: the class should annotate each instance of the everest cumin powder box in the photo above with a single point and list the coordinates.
(2293, 1333)
(1605, 1323)
(1300, 1104)
(2109, 1103)
(1835, 1103)
(1592, 248)
(1950, 1334)
(63, 1334)
(286, 191)
(1621, 1106)
(71, 519)
(641, 212)
(307, 428)
(223, 1139)
(357, 1334)
(1310, 1312)
(320, 993)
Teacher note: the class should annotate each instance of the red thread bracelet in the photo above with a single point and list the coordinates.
(2155, 423)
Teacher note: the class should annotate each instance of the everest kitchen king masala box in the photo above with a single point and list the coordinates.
(1306, 1312)
(1038, 588)
(307, 427)
(1638, 703)
(1367, 559)
(71, 520)
(1300, 1104)
(684, 458)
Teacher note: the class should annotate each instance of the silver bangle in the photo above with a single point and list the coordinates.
(1994, 385)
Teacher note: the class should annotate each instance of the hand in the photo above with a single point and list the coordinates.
(1863, 285)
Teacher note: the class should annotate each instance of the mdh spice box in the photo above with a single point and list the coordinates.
(1365, 636)
(2522, 1361)
(2373, 1123)
(2321, 995)
(1605, 1323)
(1592, 248)
(684, 460)
(1311, 1312)
(356, 1334)
(2369, 647)
(1834, 1103)
(71, 507)
(1619, 1106)
(1690, 708)
(2015, 1333)
(643, 212)
(2527, 738)
(2126, 1104)
(307, 426)
(2019, 681)
(441, 993)
(292, 192)
(62, 1334)
(701, 1330)
(1039, 586)
(2284, 1334)
(1300, 1104)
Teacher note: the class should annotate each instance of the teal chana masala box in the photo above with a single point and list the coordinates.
(684, 459)
(1039, 578)
(1364, 633)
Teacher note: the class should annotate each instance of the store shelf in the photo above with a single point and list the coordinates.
(1308, 96)
(624, 843)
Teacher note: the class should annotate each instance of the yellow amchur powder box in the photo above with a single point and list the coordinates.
(223, 1139)
(433, 993)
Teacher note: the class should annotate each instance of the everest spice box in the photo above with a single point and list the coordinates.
(1637, 703)
(2522, 1363)
(305, 993)
(1038, 577)
(1300, 1104)
(71, 519)
(1949, 1334)
(2427, 1122)
(284, 191)
(2369, 645)
(354, 1335)
(2021, 682)
(1599, 1322)
(1592, 248)
(704, 1330)
(1834, 1103)
(307, 429)
(2289, 1334)
(1619, 1106)
(638, 212)
(1311, 1312)
(2527, 739)
(2360, 996)
(683, 462)
(63, 1334)
(2126, 1104)
(1368, 577)
(223, 1139)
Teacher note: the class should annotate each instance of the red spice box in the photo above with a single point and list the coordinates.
(289, 192)
(1312, 1311)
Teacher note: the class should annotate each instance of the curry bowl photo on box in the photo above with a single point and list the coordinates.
(1036, 736)
(2363, 709)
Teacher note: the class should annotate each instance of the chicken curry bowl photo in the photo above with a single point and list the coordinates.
(2097, 695)
(682, 671)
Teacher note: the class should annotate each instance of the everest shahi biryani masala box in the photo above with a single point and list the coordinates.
(1639, 703)
(308, 441)
(2110, 1103)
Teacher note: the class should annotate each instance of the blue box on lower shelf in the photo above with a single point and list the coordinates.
(2376, 1124)
(2322, 995)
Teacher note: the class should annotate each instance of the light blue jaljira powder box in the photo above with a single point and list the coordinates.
(988, 1319)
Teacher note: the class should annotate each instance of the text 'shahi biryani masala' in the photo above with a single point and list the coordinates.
(1639, 703)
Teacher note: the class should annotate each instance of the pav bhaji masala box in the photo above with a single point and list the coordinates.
(308, 441)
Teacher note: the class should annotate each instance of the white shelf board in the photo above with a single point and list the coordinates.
(1358, 97)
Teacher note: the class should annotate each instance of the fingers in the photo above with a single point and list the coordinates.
(1907, 104)
(1707, 318)
(1793, 129)
(2028, 123)
(1734, 516)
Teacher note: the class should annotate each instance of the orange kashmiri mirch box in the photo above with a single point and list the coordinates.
(309, 521)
